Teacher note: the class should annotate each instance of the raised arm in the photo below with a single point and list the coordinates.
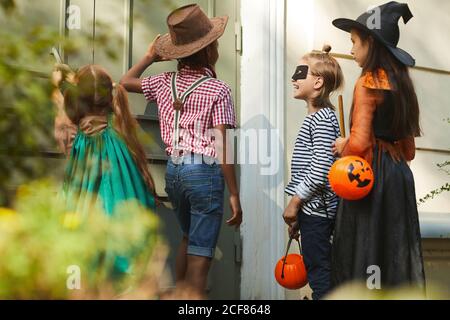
(64, 129)
(132, 81)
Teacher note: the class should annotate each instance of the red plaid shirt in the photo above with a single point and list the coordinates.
(209, 105)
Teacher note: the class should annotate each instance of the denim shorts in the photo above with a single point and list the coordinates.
(196, 190)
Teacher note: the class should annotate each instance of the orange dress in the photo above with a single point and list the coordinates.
(368, 95)
(381, 229)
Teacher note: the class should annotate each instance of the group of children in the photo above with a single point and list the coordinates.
(380, 231)
(107, 163)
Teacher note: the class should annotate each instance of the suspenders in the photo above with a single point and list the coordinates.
(178, 102)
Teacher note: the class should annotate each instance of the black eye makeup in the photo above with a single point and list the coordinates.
(301, 72)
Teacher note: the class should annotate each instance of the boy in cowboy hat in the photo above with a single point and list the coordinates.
(191, 102)
(381, 231)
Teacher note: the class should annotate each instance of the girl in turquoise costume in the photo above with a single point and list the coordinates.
(107, 164)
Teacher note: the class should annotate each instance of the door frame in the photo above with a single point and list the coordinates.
(262, 98)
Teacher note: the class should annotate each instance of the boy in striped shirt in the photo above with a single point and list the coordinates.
(313, 205)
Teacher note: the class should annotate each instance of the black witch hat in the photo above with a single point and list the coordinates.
(384, 27)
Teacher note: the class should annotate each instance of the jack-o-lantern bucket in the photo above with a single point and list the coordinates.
(290, 271)
(351, 178)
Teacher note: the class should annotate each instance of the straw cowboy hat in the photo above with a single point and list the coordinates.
(190, 30)
(387, 32)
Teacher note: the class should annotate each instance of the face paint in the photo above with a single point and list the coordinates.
(301, 72)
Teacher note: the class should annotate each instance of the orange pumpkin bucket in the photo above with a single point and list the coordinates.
(290, 271)
(351, 178)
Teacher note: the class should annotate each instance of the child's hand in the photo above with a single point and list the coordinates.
(235, 205)
(151, 52)
(62, 72)
(291, 211)
(56, 77)
(293, 230)
(338, 146)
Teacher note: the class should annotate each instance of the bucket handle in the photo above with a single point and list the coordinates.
(287, 250)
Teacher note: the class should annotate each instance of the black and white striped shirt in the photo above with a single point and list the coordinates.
(311, 162)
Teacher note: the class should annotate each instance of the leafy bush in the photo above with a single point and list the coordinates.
(40, 241)
(445, 187)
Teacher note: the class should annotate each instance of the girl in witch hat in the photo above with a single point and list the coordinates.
(381, 231)
(191, 102)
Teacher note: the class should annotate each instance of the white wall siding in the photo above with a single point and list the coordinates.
(262, 107)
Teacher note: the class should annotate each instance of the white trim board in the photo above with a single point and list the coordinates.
(262, 108)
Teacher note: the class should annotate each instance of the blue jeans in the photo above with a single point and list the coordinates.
(315, 234)
(196, 191)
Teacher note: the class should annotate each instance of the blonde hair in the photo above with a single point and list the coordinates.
(92, 94)
(322, 64)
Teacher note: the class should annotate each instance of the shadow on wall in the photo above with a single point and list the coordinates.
(262, 158)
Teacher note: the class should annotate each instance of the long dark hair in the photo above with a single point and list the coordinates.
(205, 58)
(405, 122)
